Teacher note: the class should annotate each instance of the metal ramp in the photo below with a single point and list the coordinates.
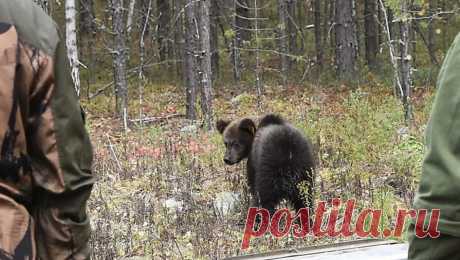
(367, 249)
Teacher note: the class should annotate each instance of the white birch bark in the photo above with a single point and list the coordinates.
(206, 70)
(71, 42)
(120, 60)
(129, 23)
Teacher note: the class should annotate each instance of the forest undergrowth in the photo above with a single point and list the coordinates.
(164, 192)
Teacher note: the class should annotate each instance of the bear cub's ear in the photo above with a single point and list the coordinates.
(248, 125)
(221, 125)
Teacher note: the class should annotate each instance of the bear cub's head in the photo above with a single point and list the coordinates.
(238, 137)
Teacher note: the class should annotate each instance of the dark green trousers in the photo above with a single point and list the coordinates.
(443, 247)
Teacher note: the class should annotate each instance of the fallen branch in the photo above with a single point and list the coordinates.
(155, 119)
(114, 154)
(130, 74)
(100, 91)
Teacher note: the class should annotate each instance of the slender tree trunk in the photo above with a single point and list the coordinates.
(345, 40)
(164, 18)
(146, 7)
(190, 62)
(283, 39)
(146, 12)
(402, 68)
(259, 87)
(214, 38)
(371, 32)
(428, 42)
(331, 27)
(301, 13)
(236, 54)
(391, 23)
(326, 27)
(291, 28)
(406, 62)
(87, 17)
(431, 44)
(87, 26)
(242, 23)
(119, 60)
(445, 21)
(318, 35)
(129, 20)
(391, 46)
(357, 28)
(143, 34)
(178, 36)
(206, 70)
(88, 38)
(141, 77)
(381, 24)
(71, 42)
(241, 26)
(413, 43)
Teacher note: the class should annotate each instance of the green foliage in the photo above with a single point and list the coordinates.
(408, 154)
(395, 6)
(229, 34)
(305, 190)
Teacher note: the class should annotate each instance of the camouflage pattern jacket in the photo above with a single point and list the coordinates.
(45, 152)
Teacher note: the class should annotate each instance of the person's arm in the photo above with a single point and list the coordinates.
(440, 181)
(61, 155)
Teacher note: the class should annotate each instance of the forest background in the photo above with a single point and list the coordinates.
(357, 76)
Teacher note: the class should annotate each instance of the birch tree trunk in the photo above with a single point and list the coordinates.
(206, 72)
(146, 12)
(190, 54)
(71, 42)
(389, 36)
(283, 39)
(146, 7)
(129, 20)
(119, 60)
(259, 87)
(402, 69)
(406, 60)
(141, 77)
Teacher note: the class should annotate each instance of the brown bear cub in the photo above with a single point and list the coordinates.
(279, 159)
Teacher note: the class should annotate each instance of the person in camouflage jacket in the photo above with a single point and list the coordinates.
(45, 151)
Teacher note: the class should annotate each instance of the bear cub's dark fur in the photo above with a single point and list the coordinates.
(279, 159)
